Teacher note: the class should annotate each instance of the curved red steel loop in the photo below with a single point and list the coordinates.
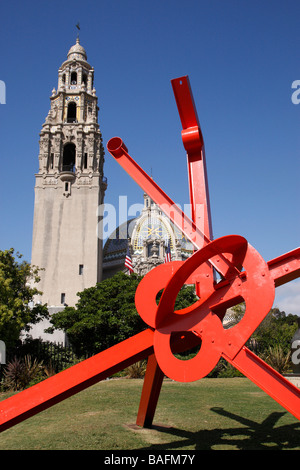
(257, 290)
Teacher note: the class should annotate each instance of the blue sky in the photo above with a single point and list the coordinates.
(241, 57)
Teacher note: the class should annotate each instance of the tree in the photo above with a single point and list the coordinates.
(106, 314)
(277, 329)
(15, 297)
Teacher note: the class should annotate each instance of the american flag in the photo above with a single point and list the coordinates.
(128, 262)
(168, 253)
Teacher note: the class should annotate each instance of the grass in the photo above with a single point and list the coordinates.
(211, 414)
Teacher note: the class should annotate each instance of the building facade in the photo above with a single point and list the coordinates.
(69, 187)
(147, 237)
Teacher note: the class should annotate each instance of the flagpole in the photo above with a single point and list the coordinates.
(128, 261)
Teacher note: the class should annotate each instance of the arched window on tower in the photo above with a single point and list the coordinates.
(84, 78)
(51, 161)
(74, 78)
(85, 161)
(71, 116)
(69, 157)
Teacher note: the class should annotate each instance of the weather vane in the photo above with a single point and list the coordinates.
(78, 28)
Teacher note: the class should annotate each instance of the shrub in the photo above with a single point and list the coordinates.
(137, 370)
(22, 373)
(277, 359)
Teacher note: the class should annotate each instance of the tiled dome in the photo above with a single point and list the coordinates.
(77, 52)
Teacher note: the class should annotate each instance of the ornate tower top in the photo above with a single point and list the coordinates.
(70, 138)
(77, 52)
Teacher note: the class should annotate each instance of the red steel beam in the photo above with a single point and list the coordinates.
(63, 385)
(150, 393)
(286, 267)
(269, 380)
(193, 142)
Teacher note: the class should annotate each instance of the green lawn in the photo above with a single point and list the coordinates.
(216, 414)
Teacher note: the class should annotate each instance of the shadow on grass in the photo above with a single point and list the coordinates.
(250, 436)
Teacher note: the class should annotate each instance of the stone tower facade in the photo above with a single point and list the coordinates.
(69, 187)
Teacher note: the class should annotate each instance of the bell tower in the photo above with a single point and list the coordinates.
(69, 186)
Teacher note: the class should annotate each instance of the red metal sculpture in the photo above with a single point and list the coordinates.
(245, 277)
